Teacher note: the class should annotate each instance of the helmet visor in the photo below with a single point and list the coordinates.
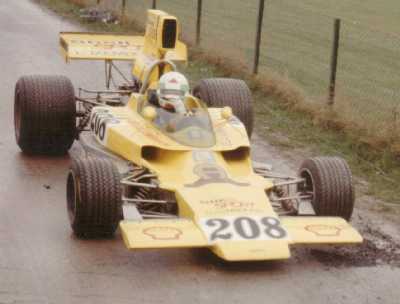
(168, 93)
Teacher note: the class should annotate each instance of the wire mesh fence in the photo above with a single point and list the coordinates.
(296, 44)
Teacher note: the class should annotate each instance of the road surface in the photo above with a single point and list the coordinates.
(42, 262)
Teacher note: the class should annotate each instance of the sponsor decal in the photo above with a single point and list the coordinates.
(103, 48)
(104, 53)
(209, 173)
(163, 233)
(103, 44)
(100, 120)
(228, 203)
(324, 230)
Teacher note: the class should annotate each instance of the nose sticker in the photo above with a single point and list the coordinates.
(212, 174)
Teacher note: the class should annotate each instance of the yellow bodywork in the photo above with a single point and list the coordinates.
(222, 201)
(232, 192)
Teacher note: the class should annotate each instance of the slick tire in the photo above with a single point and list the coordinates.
(330, 181)
(44, 114)
(94, 197)
(221, 92)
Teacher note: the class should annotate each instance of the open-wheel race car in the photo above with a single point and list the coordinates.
(169, 166)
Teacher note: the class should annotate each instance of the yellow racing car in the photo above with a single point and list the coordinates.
(171, 166)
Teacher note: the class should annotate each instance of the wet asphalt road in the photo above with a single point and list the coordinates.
(42, 262)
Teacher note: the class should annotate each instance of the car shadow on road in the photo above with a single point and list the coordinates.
(206, 258)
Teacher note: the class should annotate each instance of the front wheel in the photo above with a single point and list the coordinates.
(94, 197)
(329, 180)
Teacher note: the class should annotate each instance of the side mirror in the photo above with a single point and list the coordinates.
(149, 113)
(226, 113)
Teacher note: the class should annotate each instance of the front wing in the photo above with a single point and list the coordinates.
(182, 233)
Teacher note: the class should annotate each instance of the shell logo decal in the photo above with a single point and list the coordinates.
(324, 230)
(163, 233)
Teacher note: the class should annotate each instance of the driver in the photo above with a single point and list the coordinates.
(173, 89)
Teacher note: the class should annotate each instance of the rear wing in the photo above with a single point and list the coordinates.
(100, 46)
(159, 42)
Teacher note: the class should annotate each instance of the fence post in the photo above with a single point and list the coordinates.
(258, 36)
(154, 5)
(198, 25)
(334, 61)
(123, 10)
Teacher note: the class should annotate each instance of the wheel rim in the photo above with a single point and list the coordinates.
(17, 116)
(309, 184)
(72, 196)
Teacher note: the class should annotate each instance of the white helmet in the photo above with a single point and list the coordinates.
(172, 90)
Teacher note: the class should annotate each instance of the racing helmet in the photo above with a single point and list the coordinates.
(172, 90)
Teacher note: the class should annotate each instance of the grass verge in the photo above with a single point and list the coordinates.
(277, 111)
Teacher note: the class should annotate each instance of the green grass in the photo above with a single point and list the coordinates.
(380, 170)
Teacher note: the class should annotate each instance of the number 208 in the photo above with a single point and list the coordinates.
(246, 228)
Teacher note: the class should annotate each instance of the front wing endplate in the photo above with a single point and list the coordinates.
(320, 230)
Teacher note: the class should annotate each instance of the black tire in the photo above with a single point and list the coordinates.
(221, 92)
(44, 114)
(330, 180)
(94, 197)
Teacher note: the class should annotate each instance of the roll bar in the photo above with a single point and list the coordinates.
(150, 71)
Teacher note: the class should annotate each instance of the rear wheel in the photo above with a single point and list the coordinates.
(44, 114)
(94, 197)
(221, 92)
(330, 181)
